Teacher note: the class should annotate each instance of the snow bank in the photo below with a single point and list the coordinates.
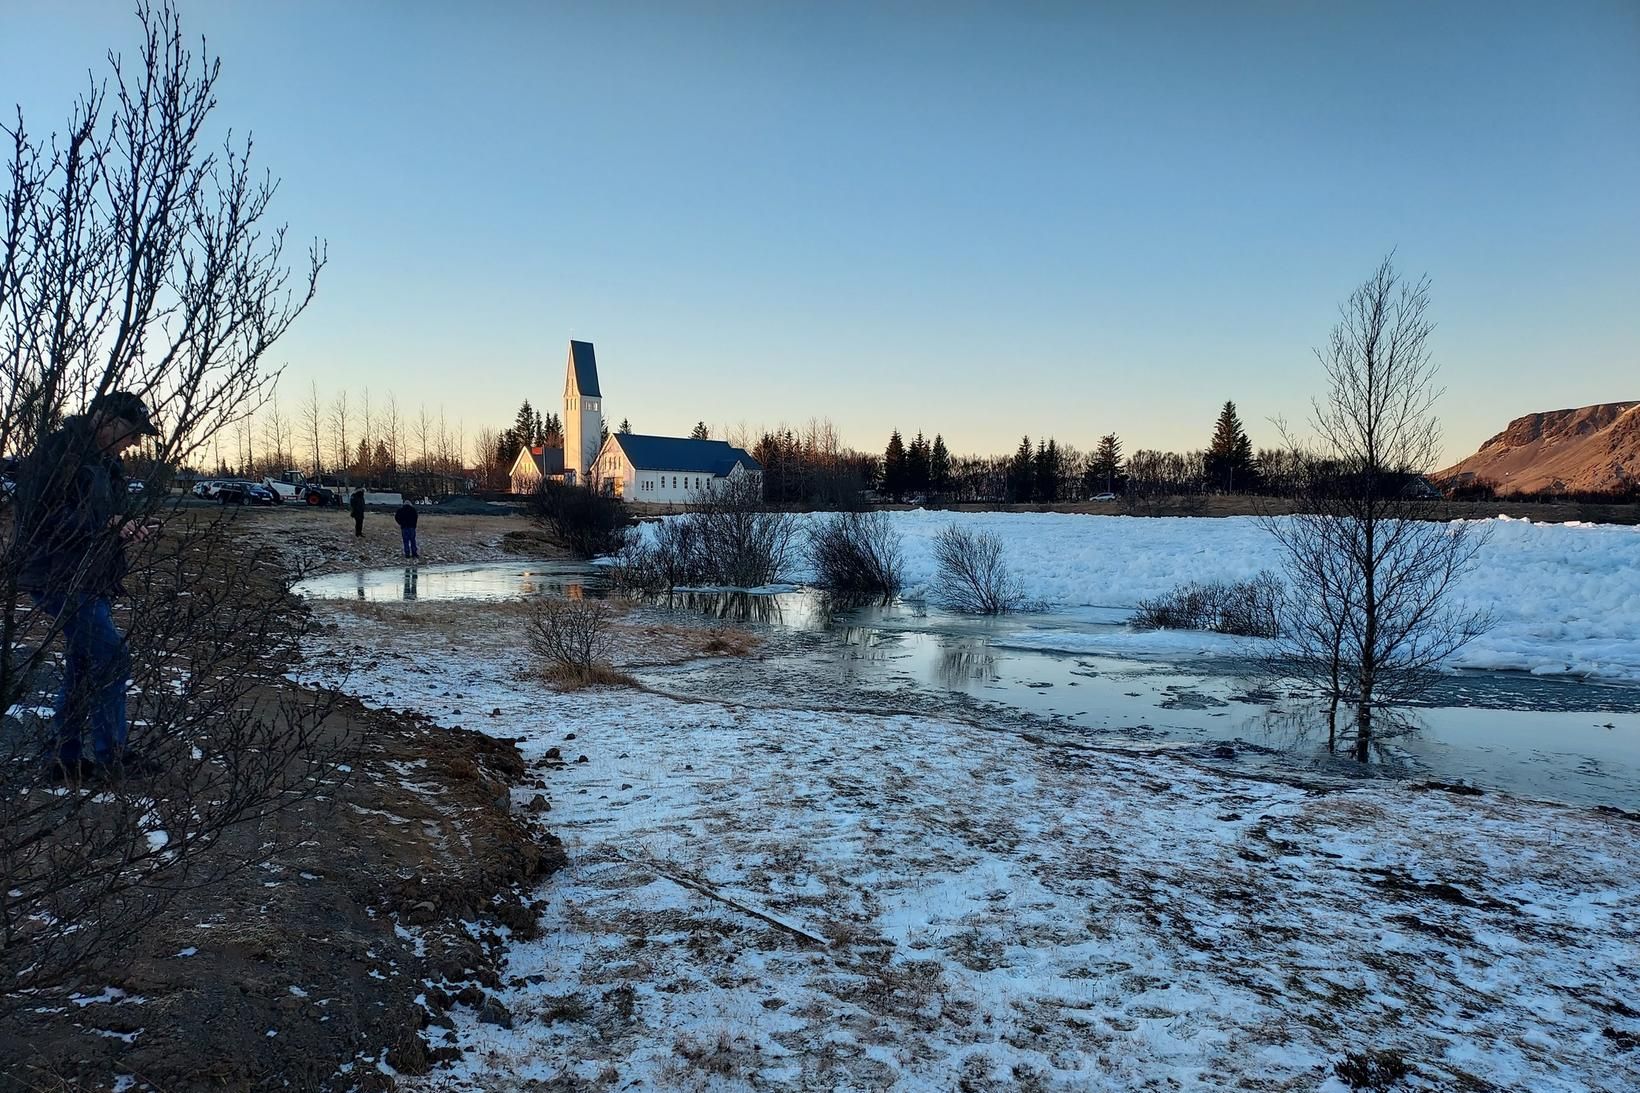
(1566, 597)
(762, 898)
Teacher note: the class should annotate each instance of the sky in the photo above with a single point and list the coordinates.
(977, 220)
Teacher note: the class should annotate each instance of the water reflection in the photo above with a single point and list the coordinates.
(486, 582)
(1566, 739)
(790, 610)
(963, 664)
(1327, 729)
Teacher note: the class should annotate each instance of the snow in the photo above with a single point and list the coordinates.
(1565, 597)
(804, 899)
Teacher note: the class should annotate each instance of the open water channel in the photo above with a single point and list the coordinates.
(1550, 737)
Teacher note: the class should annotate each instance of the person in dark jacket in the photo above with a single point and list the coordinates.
(405, 517)
(72, 526)
(356, 504)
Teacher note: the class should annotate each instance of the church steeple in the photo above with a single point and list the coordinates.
(583, 411)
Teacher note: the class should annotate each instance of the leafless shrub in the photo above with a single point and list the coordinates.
(1249, 608)
(973, 577)
(583, 521)
(134, 258)
(856, 555)
(731, 539)
(87, 866)
(575, 638)
(741, 543)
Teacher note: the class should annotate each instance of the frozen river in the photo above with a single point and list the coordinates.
(1552, 737)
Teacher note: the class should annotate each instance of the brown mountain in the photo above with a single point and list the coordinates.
(1592, 449)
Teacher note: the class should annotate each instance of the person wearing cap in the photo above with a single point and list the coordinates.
(71, 529)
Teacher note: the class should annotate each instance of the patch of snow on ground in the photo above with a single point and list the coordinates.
(791, 900)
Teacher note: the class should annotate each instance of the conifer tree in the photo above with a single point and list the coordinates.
(523, 431)
(894, 467)
(1047, 472)
(1022, 473)
(1230, 456)
(916, 466)
(1105, 468)
(939, 466)
(626, 427)
(700, 432)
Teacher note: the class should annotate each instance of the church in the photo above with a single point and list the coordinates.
(662, 469)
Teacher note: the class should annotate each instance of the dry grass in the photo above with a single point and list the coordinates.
(569, 677)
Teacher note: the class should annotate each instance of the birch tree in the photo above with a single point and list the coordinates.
(1372, 565)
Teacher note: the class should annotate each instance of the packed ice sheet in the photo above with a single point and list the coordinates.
(1565, 598)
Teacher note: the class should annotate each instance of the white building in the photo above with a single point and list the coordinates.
(583, 413)
(534, 463)
(669, 469)
(666, 469)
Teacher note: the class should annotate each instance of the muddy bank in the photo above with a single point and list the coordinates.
(334, 962)
(315, 541)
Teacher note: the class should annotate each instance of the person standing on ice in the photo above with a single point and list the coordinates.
(405, 517)
(356, 504)
(72, 525)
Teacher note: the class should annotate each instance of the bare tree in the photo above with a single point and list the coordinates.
(275, 437)
(133, 258)
(1371, 564)
(313, 426)
(425, 434)
(342, 454)
(367, 433)
(392, 429)
(488, 464)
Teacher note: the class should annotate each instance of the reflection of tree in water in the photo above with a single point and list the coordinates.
(1314, 723)
(962, 664)
(558, 586)
(807, 611)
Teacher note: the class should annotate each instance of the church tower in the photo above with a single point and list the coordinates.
(583, 411)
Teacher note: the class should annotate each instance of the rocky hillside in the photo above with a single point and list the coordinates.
(1591, 449)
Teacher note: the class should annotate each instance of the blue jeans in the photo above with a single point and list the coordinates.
(410, 542)
(96, 672)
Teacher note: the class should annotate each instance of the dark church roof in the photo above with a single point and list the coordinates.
(586, 369)
(548, 461)
(674, 453)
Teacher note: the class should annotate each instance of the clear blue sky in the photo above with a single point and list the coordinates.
(982, 220)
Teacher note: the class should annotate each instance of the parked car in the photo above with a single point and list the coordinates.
(1103, 497)
(245, 493)
(206, 488)
(136, 485)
